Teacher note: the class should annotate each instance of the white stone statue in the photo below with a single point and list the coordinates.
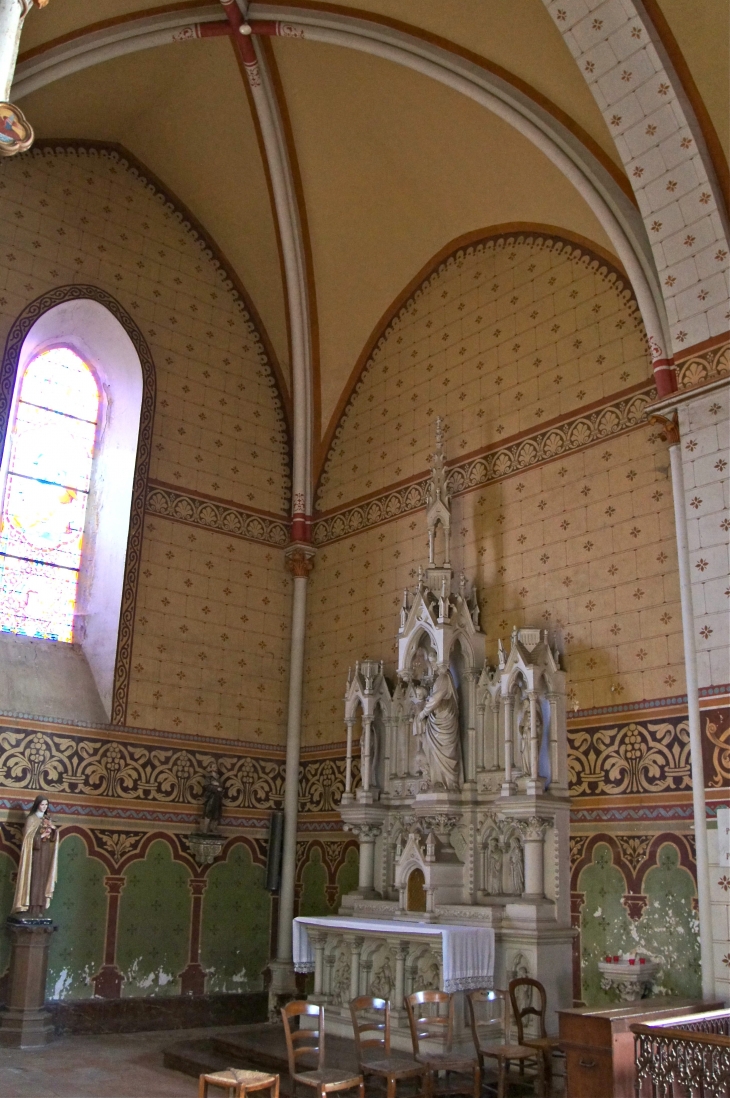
(517, 870)
(419, 696)
(523, 730)
(495, 860)
(438, 727)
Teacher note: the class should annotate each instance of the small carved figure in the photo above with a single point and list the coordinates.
(516, 867)
(495, 860)
(429, 976)
(520, 969)
(383, 980)
(38, 868)
(212, 800)
(418, 698)
(523, 732)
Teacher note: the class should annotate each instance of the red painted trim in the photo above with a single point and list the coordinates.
(665, 376)
(212, 30)
(243, 43)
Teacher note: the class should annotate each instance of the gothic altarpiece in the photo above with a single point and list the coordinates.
(462, 815)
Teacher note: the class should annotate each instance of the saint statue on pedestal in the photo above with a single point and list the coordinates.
(437, 723)
(38, 868)
(212, 800)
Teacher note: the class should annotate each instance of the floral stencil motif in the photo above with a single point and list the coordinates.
(636, 758)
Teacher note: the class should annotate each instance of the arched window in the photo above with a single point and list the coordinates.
(72, 481)
(47, 468)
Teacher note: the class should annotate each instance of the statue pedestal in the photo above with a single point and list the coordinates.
(25, 1024)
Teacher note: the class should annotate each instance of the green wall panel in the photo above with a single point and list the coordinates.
(313, 899)
(667, 930)
(236, 921)
(348, 875)
(154, 924)
(78, 909)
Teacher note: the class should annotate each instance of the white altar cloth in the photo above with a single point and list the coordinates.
(467, 951)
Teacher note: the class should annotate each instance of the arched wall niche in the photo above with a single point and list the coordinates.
(87, 681)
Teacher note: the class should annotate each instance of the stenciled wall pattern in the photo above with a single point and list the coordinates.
(208, 654)
(562, 512)
(136, 915)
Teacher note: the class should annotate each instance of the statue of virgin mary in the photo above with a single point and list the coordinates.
(438, 722)
(38, 868)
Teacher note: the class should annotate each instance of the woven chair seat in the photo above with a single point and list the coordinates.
(396, 1066)
(329, 1078)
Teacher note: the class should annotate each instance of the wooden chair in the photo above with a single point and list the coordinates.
(371, 1025)
(305, 1044)
(238, 1083)
(489, 1017)
(546, 1045)
(428, 1022)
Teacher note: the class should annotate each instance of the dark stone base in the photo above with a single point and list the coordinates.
(139, 1015)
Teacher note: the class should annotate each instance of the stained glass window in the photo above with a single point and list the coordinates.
(45, 495)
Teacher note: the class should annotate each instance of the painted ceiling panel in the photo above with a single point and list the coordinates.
(61, 17)
(182, 110)
(519, 37)
(394, 166)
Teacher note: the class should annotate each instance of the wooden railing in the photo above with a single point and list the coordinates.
(684, 1057)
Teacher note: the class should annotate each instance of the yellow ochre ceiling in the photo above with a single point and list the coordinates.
(393, 166)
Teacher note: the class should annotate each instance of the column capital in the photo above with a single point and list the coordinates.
(299, 559)
(533, 828)
(114, 885)
(366, 833)
(669, 425)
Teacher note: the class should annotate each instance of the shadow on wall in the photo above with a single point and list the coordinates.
(659, 921)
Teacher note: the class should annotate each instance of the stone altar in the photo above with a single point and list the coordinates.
(462, 813)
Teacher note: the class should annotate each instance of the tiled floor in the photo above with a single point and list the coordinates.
(120, 1066)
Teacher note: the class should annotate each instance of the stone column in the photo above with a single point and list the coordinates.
(557, 778)
(108, 980)
(12, 17)
(25, 1024)
(347, 795)
(533, 831)
(300, 564)
(508, 785)
(401, 954)
(535, 784)
(355, 950)
(671, 427)
(318, 941)
(366, 752)
(367, 834)
(470, 755)
(192, 978)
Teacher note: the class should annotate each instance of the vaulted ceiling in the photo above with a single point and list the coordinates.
(392, 165)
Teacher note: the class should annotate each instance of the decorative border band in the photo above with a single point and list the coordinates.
(221, 517)
(543, 446)
(704, 367)
(154, 775)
